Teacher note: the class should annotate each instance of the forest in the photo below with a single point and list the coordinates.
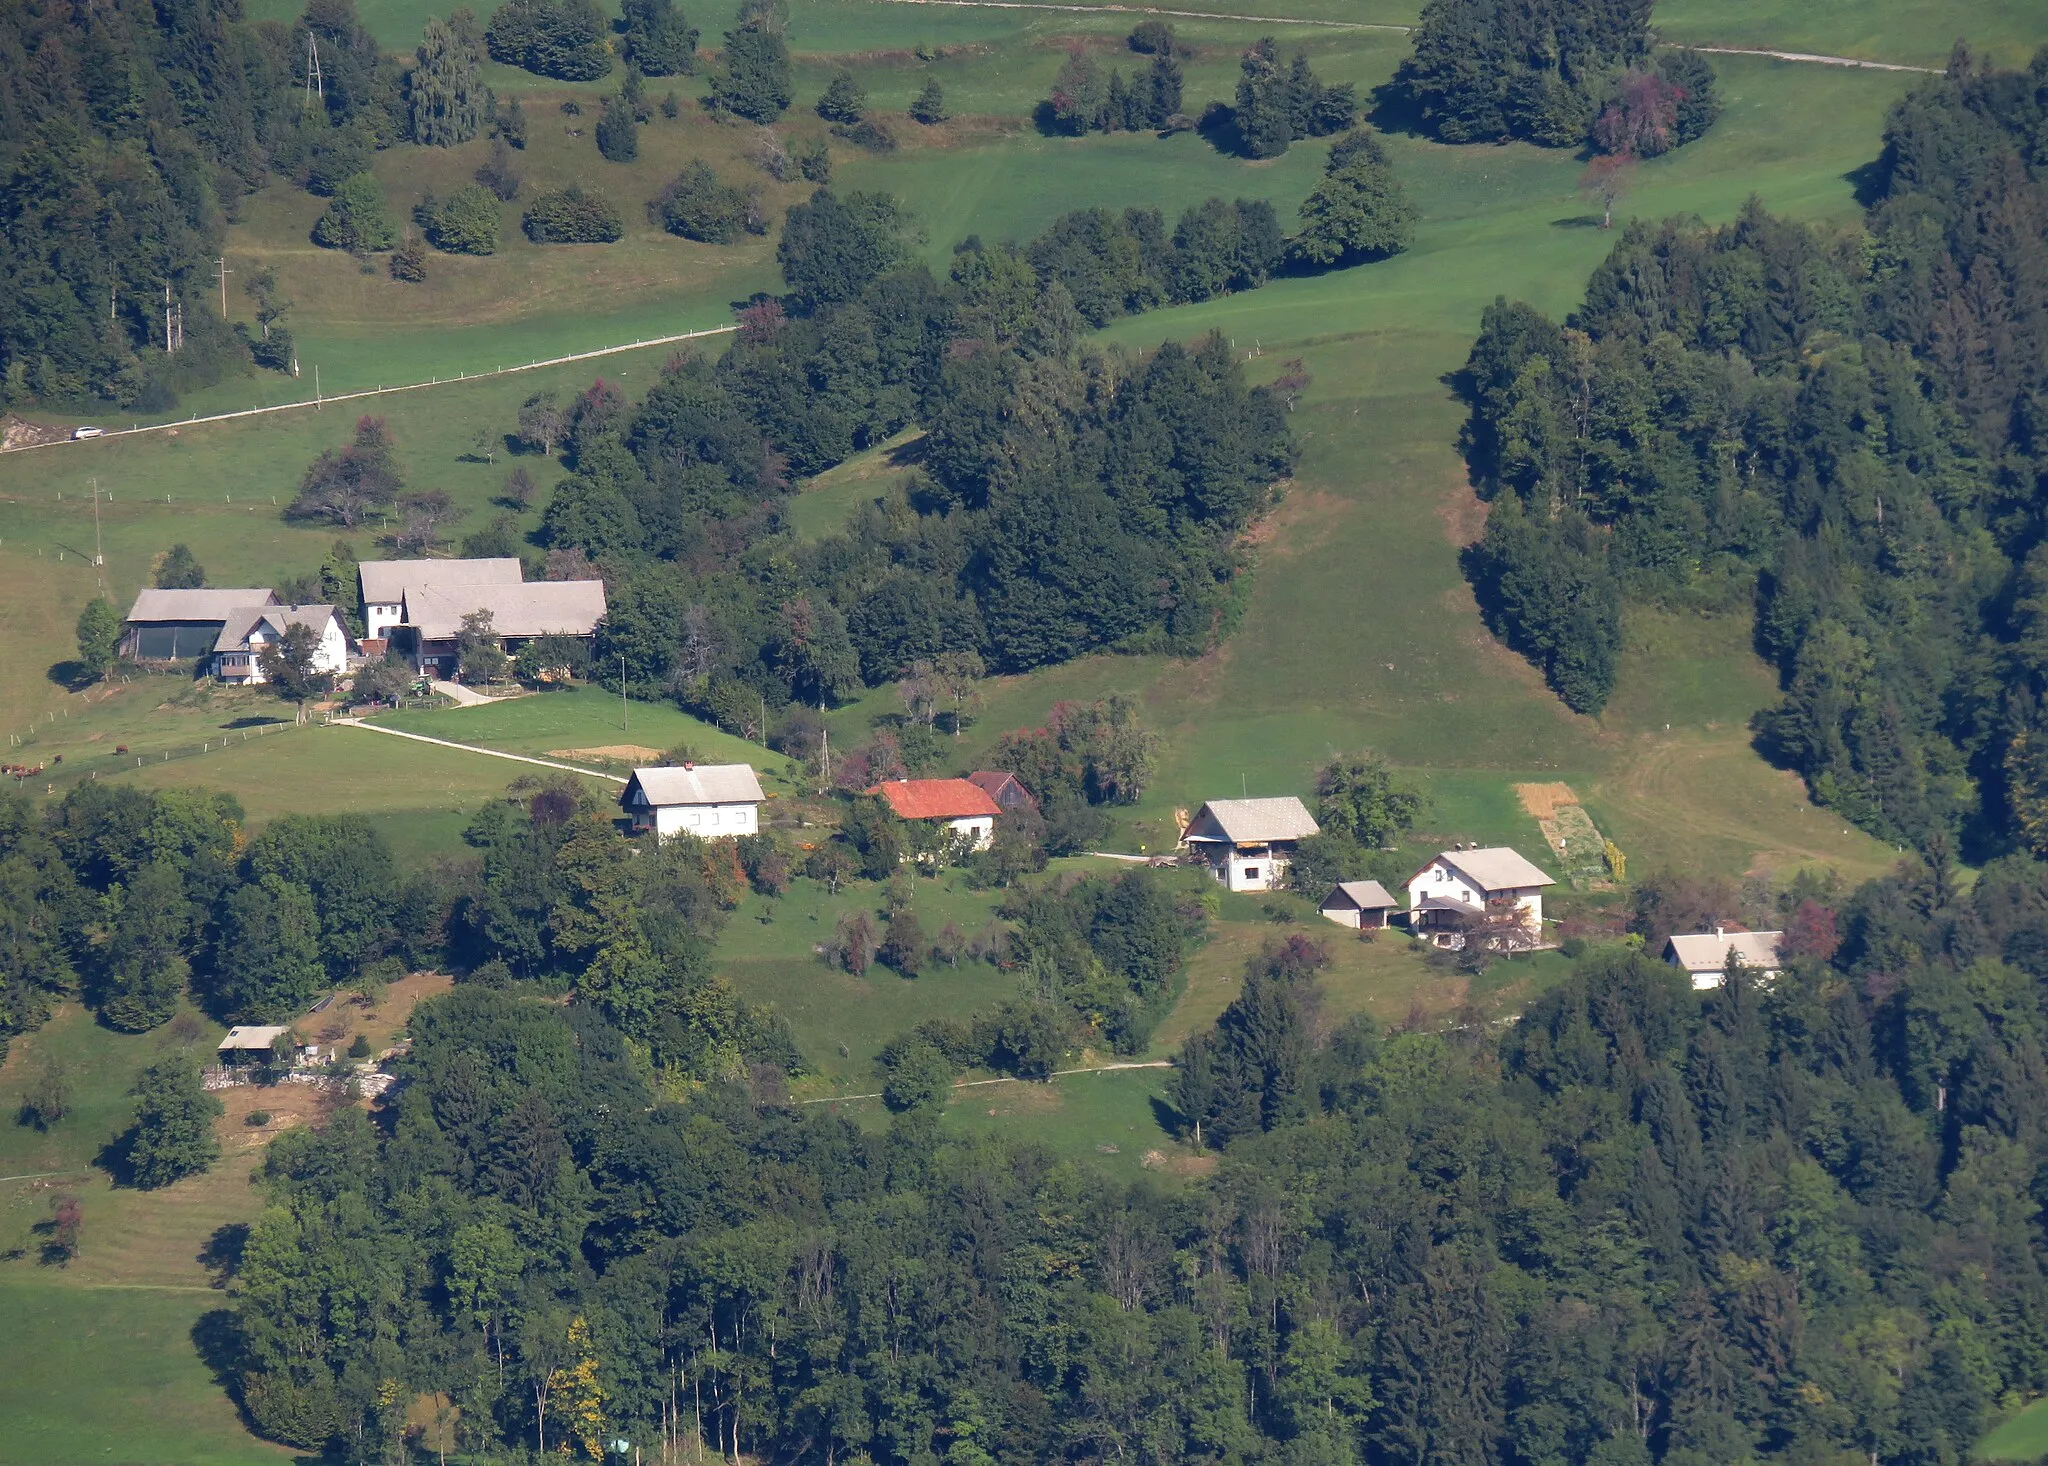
(1840, 427)
(1798, 1221)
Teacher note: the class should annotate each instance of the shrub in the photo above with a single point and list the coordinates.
(498, 174)
(812, 159)
(697, 206)
(572, 215)
(1152, 38)
(355, 221)
(257, 1119)
(359, 1047)
(466, 222)
(409, 261)
(868, 134)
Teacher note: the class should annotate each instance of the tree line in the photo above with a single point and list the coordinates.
(1832, 426)
(1790, 1221)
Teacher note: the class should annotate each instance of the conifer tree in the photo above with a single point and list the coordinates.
(445, 95)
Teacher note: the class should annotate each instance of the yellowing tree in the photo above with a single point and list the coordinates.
(576, 1397)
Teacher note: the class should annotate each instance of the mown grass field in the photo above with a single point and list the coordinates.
(2022, 1438)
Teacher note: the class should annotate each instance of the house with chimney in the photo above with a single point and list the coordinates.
(1466, 885)
(709, 801)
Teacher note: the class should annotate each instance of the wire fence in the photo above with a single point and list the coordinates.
(57, 773)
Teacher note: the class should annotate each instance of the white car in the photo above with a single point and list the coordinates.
(77, 433)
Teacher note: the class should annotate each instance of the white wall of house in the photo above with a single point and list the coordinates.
(380, 616)
(1259, 869)
(980, 829)
(237, 666)
(705, 821)
(1446, 882)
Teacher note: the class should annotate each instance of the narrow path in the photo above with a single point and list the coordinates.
(833, 1099)
(462, 697)
(1809, 57)
(1346, 25)
(323, 400)
(517, 758)
(1816, 60)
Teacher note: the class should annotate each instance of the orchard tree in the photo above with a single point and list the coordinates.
(1357, 795)
(345, 488)
(180, 569)
(290, 664)
(1606, 181)
(480, 655)
(541, 420)
(172, 1137)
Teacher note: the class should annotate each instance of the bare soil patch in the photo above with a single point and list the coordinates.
(1463, 515)
(632, 753)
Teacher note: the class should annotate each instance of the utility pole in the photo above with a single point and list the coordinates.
(98, 560)
(220, 268)
(314, 81)
(625, 708)
(170, 341)
(828, 757)
(316, 388)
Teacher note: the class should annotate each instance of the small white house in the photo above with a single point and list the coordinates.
(710, 801)
(1359, 904)
(965, 808)
(1459, 887)
(1249, 843)
(1704, 955)
(238, 650)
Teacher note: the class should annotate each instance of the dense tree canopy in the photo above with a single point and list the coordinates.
(1837, 424)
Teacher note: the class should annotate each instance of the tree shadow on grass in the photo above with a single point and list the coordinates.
(116, 1158)
(1577, 221)
(222, 1254)
(71, 675)
(1167, 1118)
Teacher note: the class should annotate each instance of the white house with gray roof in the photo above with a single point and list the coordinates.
(416, 607)
(1460, 886)
(238, 650)
(1249, 843)
(1705, 955)
(710, 801)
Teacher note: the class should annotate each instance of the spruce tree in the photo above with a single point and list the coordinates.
(929, 106)
(753, 75)
(659, 40)
(844, 102)
(618, 135)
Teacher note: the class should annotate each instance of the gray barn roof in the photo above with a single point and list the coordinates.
(1708, 951)
(1365, 895)
(385, 582)
(702, 784)
(1496, 868)
(541, 608)
(1252, 821)
(234, 632)
(196, 605)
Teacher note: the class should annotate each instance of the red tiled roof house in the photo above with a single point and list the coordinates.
(962, 807)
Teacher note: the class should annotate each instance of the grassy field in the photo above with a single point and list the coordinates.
(2022, 1438)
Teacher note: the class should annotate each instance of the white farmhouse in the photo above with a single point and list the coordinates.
(710, 801)
(1704, 955)
(965, 808)
(1249, 843)
(1458, 886)
(385, 583)
(238, 650)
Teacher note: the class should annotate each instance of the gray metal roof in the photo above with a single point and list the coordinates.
(234, 632)
(1496, 868)
(539, 608)
(385, 582)
(1708, 951)
(196, 605)
(1365, 895)
(1250, 821)
(701, 784)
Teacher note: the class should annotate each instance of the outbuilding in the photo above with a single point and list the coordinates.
(1705, 955)
(184, 625)
(1359, 904)
(710, 801)
(1002, 786)
(252, 1044)
(1248, 844)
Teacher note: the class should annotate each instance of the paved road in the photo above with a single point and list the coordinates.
(462, 697)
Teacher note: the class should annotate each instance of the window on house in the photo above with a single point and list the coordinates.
(1251, 872)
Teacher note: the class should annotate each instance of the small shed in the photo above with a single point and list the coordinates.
(1358, 904)
(710, 801)
(1002, 786)
(252, 1044)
